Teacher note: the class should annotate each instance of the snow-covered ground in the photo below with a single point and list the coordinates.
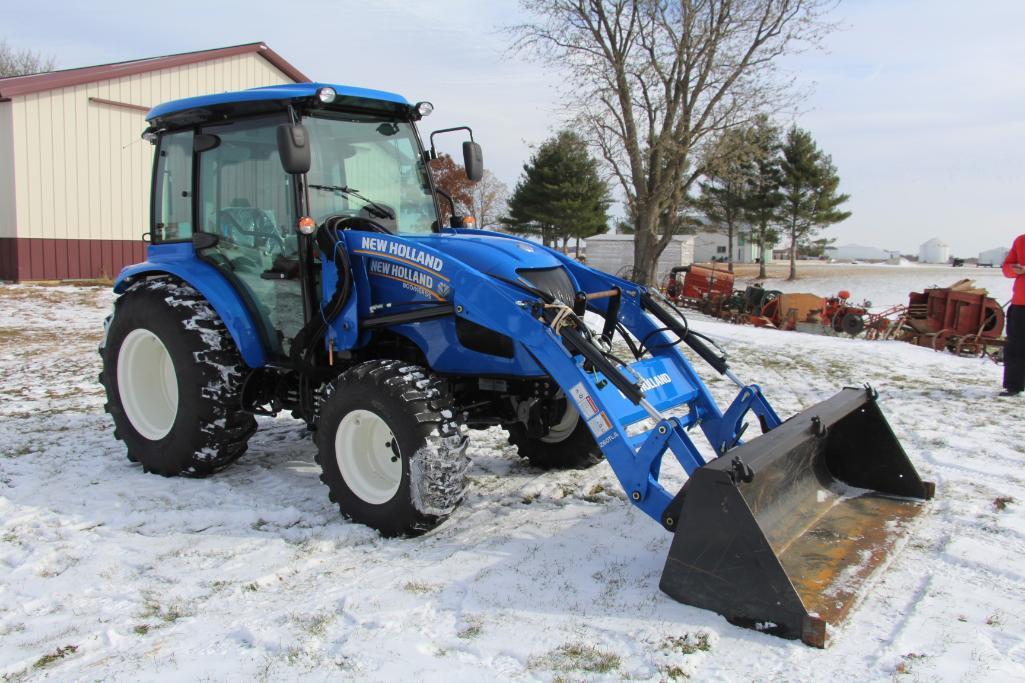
(109, 573)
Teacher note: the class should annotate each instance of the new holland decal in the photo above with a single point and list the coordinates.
(416, 269)
(656, 382)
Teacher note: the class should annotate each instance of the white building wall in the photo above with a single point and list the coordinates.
(83, 171)
(993, 256)
(710, 246)
(612, 253)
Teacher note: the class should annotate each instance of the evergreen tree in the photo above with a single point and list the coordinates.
(560, 194)
(762, 195)
(809, 186)
(723, 192)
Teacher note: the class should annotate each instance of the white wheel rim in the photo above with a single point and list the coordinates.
(368, 464)
(147, 384)
(558, 433)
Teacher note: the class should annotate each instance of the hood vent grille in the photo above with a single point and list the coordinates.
(553, 281)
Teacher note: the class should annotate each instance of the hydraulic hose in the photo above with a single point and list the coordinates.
(692, 340)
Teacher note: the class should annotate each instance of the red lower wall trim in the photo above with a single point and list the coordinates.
(23, 258)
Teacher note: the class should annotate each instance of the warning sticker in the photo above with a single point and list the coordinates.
(585, 404)
(599, 424)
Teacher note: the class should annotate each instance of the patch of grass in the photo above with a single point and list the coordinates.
(597, 494)
(687, 644)
(1001, 502)
(142, 629)
(474, 627)
(174, 612)
(673, 673)
(55, 656)
(251, 587)
(576, 657)
(906, 661)
(315, 624)
(168, 614)
(419, 587)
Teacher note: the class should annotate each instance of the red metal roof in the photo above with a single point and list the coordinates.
(24, 85)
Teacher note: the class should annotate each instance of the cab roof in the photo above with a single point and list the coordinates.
(272, 93)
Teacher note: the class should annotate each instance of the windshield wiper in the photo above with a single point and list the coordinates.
(373, 208)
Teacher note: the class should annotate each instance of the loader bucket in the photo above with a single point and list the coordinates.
(786, 550)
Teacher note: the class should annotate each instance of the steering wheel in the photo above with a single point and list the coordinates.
(341, 221)
(262, 232)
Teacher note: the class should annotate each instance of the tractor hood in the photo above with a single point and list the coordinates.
(492, 255)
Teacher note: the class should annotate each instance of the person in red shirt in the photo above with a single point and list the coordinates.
(1014, 348)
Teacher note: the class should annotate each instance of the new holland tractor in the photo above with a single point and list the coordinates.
(298, 262)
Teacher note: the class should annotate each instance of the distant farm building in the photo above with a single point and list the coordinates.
(856, 252)
(74, 173)
(993, 257)
(713, 246)
(934, 251)
(615, 254)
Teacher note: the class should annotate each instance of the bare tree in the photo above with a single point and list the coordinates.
(655, 81)
(15, 62)
(490, 197)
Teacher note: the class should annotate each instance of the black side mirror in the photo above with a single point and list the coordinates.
(473, 161)
(294, 148)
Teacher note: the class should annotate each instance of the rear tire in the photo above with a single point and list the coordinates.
(569, 444)
(390, 452)
(173, 378)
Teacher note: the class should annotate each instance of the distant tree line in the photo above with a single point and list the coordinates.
(14, 62)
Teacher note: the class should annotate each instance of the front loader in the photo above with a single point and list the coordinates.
(298, 262)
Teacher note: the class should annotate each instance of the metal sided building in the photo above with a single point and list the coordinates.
(74, 172)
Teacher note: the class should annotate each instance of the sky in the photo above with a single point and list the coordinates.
(920, 103)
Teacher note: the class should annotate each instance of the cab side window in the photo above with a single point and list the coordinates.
(172, 188)
(245, 194)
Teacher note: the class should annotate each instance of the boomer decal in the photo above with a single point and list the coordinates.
(415, 280)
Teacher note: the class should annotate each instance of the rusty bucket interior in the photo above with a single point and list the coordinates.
(787, 550)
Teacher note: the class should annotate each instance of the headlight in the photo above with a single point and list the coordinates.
(326, 95)
(424, 108)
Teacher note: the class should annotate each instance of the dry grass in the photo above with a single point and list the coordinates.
(576, 657)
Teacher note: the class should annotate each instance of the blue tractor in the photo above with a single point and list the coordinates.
(298, 262)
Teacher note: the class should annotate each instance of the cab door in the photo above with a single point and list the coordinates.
(247, 201)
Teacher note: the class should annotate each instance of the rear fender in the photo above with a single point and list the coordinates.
(179, 260)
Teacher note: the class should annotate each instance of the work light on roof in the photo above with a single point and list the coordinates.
(326, 95)
(424, 108)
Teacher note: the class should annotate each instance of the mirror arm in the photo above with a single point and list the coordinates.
(451, 202)
(434, 153)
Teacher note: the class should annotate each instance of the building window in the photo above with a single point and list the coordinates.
(172, 189)
(720, 250)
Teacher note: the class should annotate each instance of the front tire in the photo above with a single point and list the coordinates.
(389, 450)
(173, 379)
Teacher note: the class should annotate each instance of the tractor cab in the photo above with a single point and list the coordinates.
(246, 178)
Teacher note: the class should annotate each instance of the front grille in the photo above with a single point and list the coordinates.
(553, 281)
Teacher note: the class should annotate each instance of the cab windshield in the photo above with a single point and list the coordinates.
(369, 166)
